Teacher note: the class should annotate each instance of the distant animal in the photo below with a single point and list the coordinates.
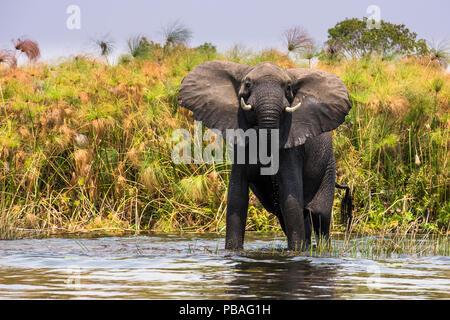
(304, 105)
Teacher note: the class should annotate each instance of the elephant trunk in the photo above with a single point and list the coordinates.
(268, 115)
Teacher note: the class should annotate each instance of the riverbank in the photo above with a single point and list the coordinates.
(87, 146)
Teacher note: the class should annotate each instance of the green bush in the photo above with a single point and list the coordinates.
(356, 38)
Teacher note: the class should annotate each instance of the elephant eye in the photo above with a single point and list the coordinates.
(247, 85)
(289, 94)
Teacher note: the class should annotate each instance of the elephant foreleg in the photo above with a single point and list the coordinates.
(291, 201)
(292, 210)
(237, 206)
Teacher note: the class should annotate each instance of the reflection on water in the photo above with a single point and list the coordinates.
(282, 278)
(196, 267)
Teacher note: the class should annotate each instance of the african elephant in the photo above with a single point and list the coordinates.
(304, 105)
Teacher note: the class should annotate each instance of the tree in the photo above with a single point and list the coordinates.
(310, 53)
(176, 33)
(8, 58)
(139, 46)
(105, 46)
(29, 47)
(297, 40)
(440, 52)
(356, 38)
(331, 53)
(207, 49)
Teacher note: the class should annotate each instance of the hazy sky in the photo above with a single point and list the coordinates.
(254, 23)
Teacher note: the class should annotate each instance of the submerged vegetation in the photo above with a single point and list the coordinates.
(369, 247)
(87, 146)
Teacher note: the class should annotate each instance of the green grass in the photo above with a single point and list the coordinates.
(392, 149)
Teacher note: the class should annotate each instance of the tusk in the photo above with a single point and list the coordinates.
(292, 109)
(244, 105)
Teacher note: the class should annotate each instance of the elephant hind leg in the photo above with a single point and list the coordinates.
(321, 223)
(320, 207)
(308, 229)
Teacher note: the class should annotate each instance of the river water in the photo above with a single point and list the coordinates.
(192, 266)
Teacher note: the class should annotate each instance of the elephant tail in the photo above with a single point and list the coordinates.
(346, 205)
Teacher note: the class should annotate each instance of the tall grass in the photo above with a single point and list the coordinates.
(393, 147)
(87, 146)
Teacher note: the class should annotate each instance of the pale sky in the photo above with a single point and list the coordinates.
(255, 24)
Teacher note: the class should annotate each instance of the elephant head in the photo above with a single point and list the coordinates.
(302, 103)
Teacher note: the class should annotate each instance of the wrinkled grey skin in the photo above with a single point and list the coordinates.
(301, 193)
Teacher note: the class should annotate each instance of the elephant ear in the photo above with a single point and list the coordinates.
(210, 91)
(325, 104)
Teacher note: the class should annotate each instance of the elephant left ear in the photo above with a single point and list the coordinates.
(324, 105)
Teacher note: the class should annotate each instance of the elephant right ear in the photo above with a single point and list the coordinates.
(210, 92)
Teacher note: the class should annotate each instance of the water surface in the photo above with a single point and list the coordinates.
(195, 266)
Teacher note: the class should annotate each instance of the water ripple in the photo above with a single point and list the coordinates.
(197, 267)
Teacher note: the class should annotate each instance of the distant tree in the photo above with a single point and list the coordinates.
(297, 40)
(440, 52)
(310, 53)
(105, 46)
(29, 47)
(8, 57)
(176, 33)
(331, 53)
(139, 46)
(207, 49)
(356, 38)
